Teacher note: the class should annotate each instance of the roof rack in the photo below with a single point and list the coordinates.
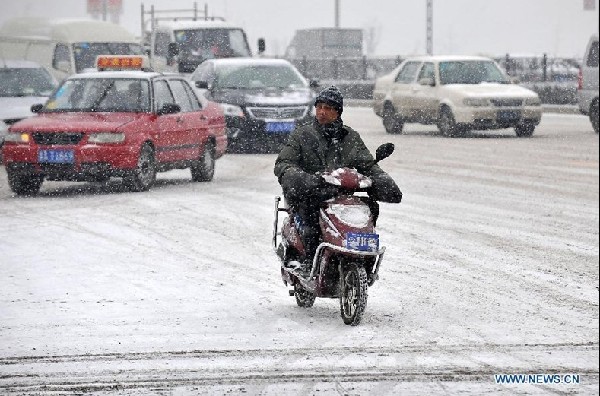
(186, 14)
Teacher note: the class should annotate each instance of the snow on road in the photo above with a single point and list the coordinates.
(491, 267)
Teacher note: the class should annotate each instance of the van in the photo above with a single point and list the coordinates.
(65, 46)
(180, 43)
(588, 82)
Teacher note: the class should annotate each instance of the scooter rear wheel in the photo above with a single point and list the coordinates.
(353, 294)
(304, 298)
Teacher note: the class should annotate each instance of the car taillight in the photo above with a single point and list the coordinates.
(580, 80)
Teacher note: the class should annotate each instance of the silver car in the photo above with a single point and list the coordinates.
(457, 93)
(22, 84)
(588, 82)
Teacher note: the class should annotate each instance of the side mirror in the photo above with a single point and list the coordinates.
(36, 108)
(427, 81)
(169, 108)
(314, 83)
(261, 45)
(384, 151)
(202, 84)
(173, 49)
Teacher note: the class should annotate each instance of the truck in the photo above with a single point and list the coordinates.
(323, 43)
(65, 46)
(179, 40)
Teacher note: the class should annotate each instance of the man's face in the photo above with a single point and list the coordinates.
(325, 113)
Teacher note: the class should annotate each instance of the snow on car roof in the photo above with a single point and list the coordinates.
(200, 24)
(444, 58)
(249, 61)
(119, 74)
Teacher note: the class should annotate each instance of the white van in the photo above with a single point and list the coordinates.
(178, 40)
(65, 46)
(588, 82)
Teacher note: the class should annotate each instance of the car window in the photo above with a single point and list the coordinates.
(161, 44)
(23, 82)
(470, 72)
(61, 54)
(408, 73)
(196, 105)
(212, 43)
(592, 59)
(101, 94)
(427, 71)
(162, 94)
(181, 96)
(259, 76)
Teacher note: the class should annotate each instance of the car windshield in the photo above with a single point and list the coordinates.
(471, 72)
(213, 43)
(25, 82)
(85, 53)
(102, 95)
(258, 77)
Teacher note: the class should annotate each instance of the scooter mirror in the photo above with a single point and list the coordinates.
(384, 151)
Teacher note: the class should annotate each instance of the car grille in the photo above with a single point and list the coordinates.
(59, 138)
(507, 102)
(278, 113)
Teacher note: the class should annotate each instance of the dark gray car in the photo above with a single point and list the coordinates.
(263, 99)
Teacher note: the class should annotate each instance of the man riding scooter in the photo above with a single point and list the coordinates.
(324, 145)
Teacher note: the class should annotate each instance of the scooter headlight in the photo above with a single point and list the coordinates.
(352, 215)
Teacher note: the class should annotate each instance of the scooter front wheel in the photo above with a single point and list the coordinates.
(353, 294)
(304, 298)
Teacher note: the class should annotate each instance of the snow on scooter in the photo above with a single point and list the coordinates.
(348, 258)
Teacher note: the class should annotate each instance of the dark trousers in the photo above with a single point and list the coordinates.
(310, 231)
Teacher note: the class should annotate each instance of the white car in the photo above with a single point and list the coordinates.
(458, 93)
(588, 82)
(22, 84)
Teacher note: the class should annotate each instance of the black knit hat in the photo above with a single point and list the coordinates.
(333, 97)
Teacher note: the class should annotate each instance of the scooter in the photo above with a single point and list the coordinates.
(348, 259)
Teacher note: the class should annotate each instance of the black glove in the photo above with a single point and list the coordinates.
(385, 189)
(299, 185)
(325, 191)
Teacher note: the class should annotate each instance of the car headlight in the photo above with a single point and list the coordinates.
(17, 137)
(532, 102)
(106, 137)
(231, 110)
(352, 215)
(476, 102)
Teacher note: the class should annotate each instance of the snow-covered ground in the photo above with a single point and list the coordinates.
(491, 268)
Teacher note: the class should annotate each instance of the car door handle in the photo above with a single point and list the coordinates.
(179, 119)
(203, 117)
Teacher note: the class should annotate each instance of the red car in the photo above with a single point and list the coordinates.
(126, 123)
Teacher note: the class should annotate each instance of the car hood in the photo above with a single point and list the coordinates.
(491, 90)
(266, 97)
(76, 122)
(16, 108)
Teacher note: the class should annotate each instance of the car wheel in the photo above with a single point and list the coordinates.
(392, 121)
(446, 123)
(203, 170)
(594, 116)
(524, 130)
(24, 184)
(144, 175)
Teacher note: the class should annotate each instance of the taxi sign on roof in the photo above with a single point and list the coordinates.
(121, 62)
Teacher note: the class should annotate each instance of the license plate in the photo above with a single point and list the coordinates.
(56, 156)
(362, 242)
(508, 115)
(277, 127)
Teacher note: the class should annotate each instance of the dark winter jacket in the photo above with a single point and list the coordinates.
(312, 148)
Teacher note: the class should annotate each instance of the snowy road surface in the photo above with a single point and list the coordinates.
(491, 268)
